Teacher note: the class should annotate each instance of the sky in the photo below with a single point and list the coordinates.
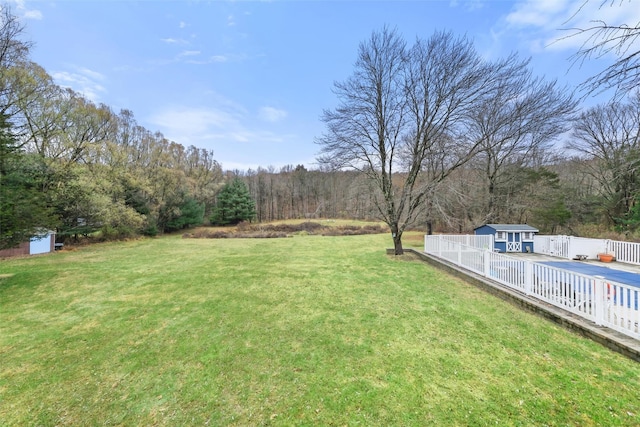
(250, 79)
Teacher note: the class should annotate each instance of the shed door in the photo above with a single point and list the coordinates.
(514, 243)
(40, 245)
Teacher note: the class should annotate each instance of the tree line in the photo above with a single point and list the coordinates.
(69, 164)
(428, 135)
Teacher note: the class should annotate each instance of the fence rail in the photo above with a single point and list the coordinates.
(628, 252)
(604, 302)
(476, 241)
(570, 246)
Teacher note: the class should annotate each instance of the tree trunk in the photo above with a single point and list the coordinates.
(397, 240)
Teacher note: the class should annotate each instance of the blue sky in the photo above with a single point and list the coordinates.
(250, 79)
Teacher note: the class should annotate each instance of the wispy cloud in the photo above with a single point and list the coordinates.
(468, 5)
(228, 123)
(26, 12)
(188, 122)
(554, 23)
(271, 114)
(188, 53)
(82, 80)
(170, 40)
(541, 13)
(33, 14)
(192, 59)
(225, 127)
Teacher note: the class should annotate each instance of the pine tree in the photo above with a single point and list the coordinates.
(234, 204)
(191, 214)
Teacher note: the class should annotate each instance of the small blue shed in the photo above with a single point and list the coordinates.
(509, 237)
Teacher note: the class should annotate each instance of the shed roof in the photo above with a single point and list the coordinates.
(510, 227)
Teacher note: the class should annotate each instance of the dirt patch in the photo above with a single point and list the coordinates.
(406, 256)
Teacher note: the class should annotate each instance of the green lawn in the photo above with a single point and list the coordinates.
(307, 330)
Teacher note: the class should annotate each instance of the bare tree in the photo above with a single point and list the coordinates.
(12, 49)
(401, 119)
(603, 39)
(519, 120)
(14, 59)
(608, 138)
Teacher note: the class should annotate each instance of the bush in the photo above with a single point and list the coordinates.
(150, 230)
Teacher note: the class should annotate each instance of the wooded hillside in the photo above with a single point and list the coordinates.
(81, 168)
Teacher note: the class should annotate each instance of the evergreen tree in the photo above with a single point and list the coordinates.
(234, 204)
(191, 214)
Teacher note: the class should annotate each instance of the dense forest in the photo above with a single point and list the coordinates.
(82, 169)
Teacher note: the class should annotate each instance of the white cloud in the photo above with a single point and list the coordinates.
(90, 74)
(212, 59)
(170, 40)
(271, 114)
(189, 122)
(33, 14)
(468, 5)
(230, 130)
(189, 53)
(554, 23)
(82, 80)
(27, 13)
(224, 123)
(182, 24)
(538, 13)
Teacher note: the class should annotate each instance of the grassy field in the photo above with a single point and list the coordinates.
(307, 330)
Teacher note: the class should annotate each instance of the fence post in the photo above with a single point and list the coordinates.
(487, 262)
(528, 277)
(599, 300)
(459, 254)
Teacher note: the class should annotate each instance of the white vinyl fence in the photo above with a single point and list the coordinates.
(604, 302)
(624, 251)
(476, 241)
(570, 246)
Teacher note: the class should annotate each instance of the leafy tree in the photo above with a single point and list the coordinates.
(23, 209)
(234, 204)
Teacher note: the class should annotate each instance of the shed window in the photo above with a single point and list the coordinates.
(501, 235)
(527, 235)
